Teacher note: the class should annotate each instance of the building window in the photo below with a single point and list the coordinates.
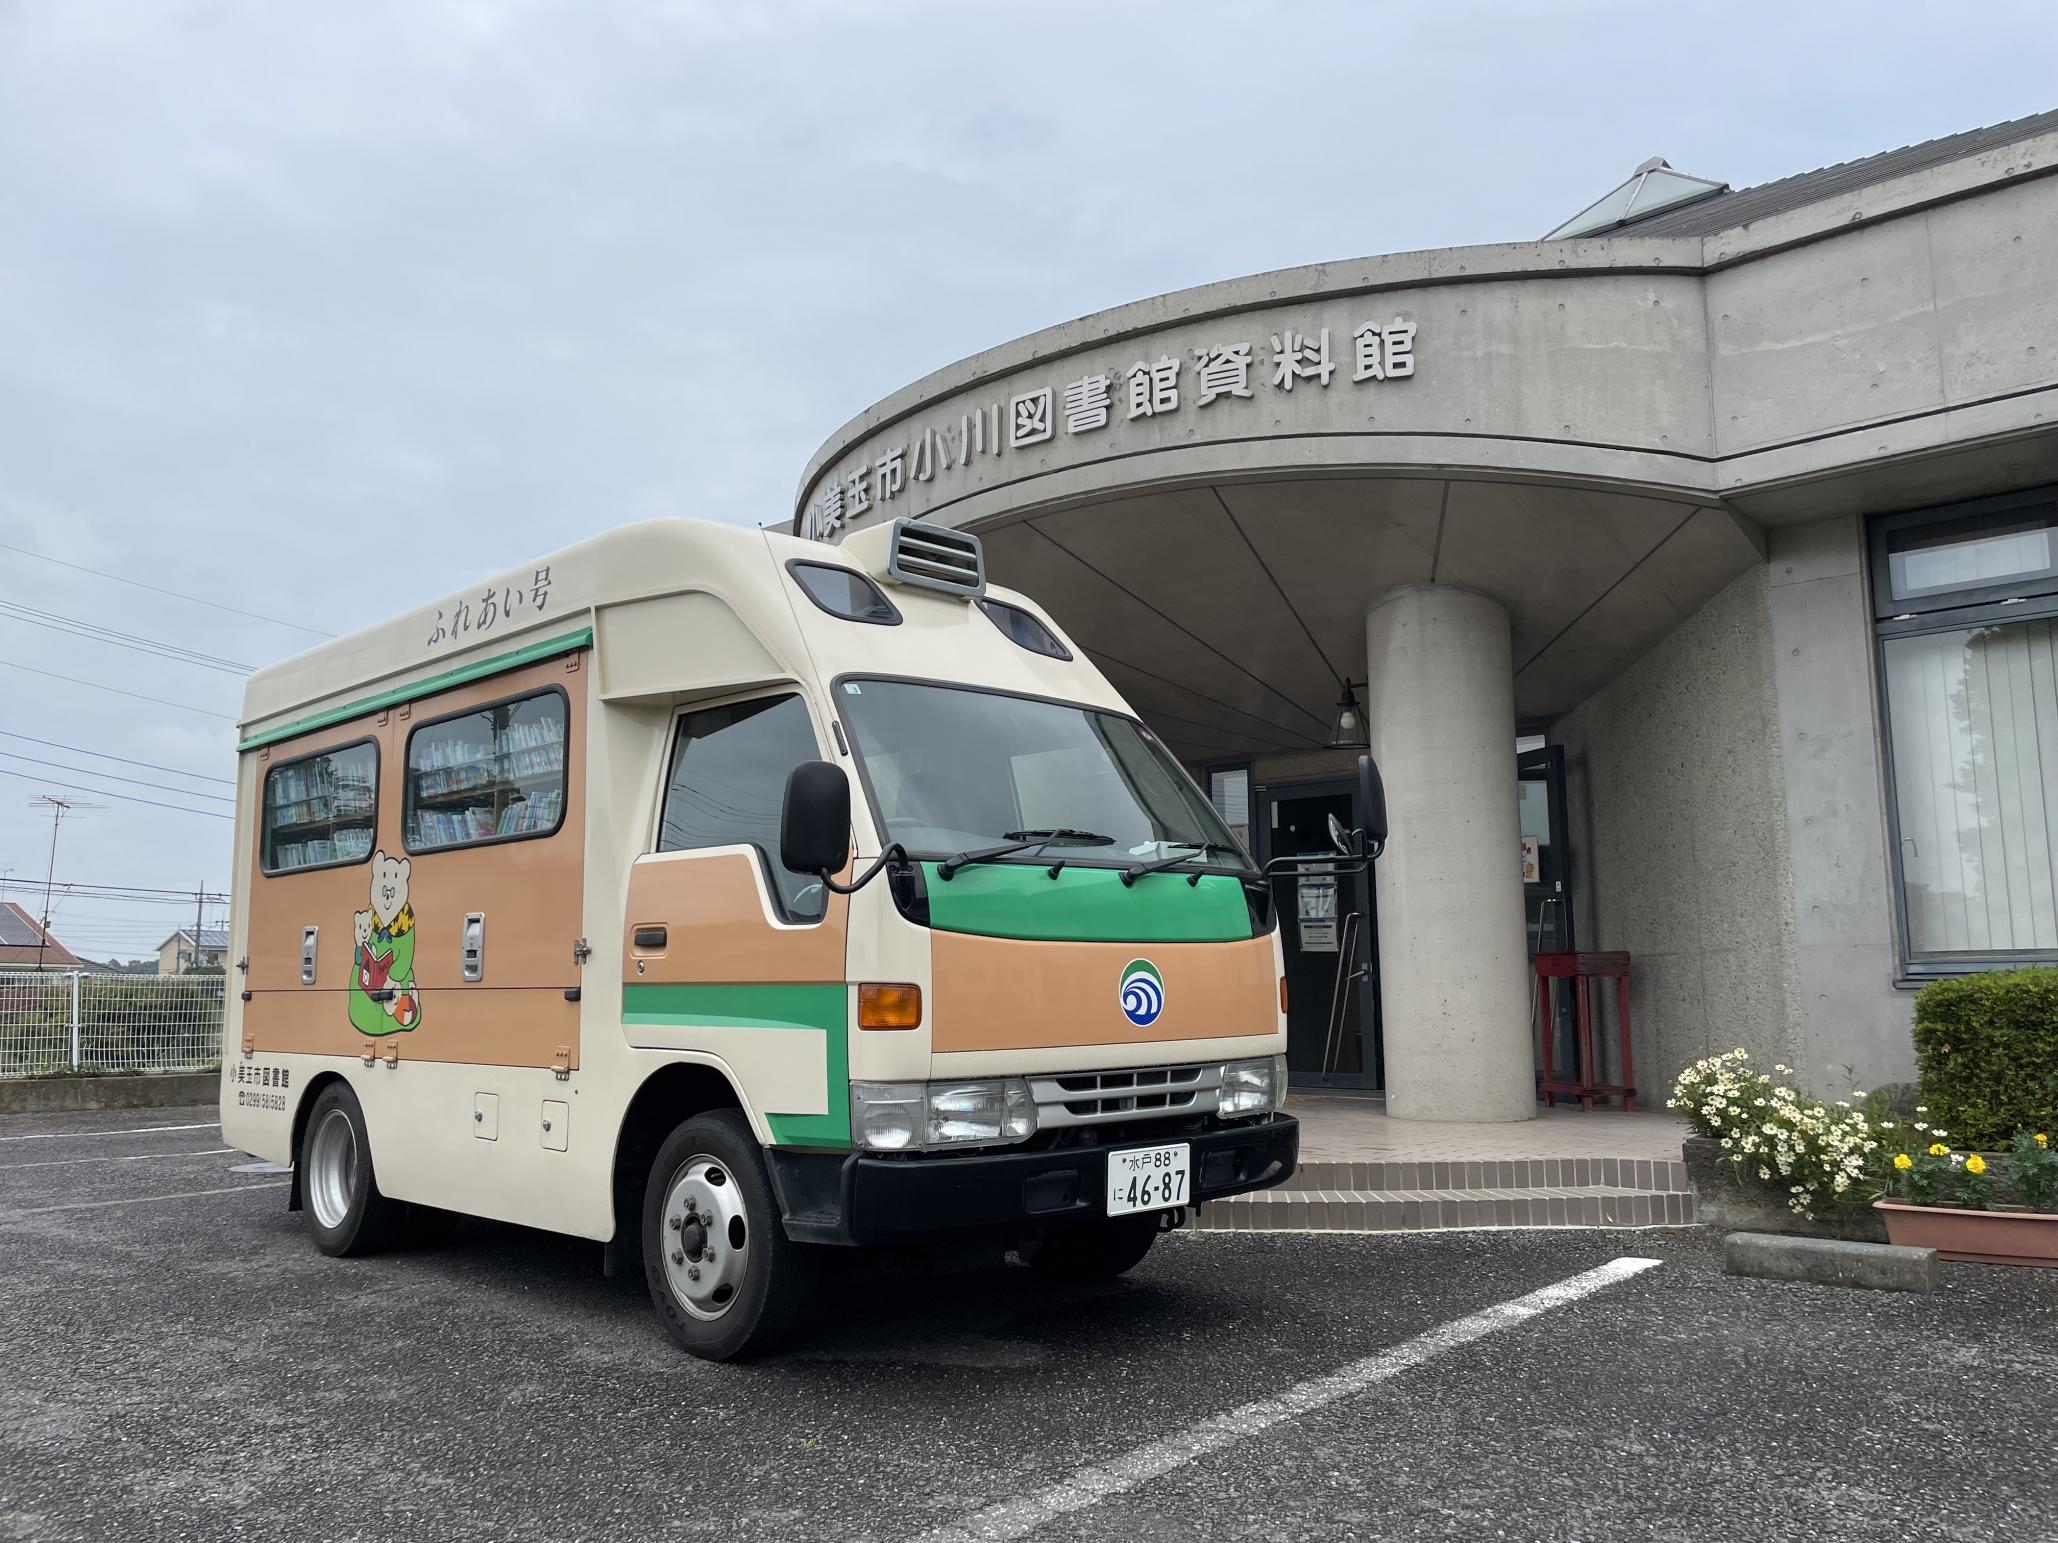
(319, 809)
(492, 773)
(727, 785)
(1966, 607)
(1229, 790)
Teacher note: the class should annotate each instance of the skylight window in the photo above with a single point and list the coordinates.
(1651, 187)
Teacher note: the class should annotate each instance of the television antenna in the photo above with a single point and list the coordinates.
(59, 808)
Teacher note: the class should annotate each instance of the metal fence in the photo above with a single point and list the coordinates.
(67, 1020)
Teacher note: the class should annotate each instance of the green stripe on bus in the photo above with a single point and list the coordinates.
(1086, 905)
(765, 1005)
(478, 669)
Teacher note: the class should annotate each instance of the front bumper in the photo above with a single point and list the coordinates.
(855, 1198)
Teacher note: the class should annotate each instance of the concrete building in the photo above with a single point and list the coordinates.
(177, 954)
(1733, 507)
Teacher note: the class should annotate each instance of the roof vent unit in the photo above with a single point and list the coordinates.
(936, 557)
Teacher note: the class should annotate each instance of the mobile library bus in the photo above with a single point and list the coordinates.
(729, 898)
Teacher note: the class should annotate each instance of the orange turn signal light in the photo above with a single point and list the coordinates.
(889, 1007)
(1282, 993)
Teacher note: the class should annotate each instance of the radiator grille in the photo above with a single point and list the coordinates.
(1092, 1098)
(935, 557)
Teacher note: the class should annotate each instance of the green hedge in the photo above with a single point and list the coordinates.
(1987, 1046)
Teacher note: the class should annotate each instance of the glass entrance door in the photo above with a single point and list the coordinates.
(1547, 878)
(1326, 937)
(1546, 881)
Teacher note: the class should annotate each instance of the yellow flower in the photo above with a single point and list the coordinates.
(1903, 1161)
(1975, 1164)
(1939, 1150)
(2042, 1139)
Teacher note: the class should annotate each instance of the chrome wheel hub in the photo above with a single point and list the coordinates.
(706, 1240)
(331, 1168)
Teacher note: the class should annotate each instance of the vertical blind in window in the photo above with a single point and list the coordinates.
(1229, 790)
(1974, 725)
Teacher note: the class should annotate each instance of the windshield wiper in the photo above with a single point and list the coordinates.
(1022, 841)
(1192, 849)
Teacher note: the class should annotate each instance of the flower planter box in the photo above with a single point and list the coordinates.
(1725, 1199)
(1979, 1237)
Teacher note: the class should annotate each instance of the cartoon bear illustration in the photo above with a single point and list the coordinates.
(383, 995)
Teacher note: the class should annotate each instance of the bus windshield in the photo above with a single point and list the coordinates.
(952, 768)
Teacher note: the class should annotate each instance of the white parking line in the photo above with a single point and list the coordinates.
(1017, 1518)
(97, 1205)
(134, 1130)
(134, 1157)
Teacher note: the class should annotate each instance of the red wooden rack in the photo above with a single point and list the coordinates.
(1583, 970)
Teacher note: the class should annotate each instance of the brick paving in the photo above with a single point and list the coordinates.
(1364, 1171)
(1347, 1127)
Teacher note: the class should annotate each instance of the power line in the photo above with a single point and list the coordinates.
(155, 590)
(70, 626)
(51, 782)
(101, 919)
(77, 887)
(87, 771)
(139, 696)
(102, 755)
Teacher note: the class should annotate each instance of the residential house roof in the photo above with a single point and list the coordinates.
(24, 945)
(212, 939)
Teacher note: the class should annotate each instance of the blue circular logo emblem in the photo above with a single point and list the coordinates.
(1143, 993)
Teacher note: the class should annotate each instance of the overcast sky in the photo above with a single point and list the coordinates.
(320, 310)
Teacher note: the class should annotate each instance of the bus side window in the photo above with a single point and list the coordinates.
(727, 781)
(320, 810)
(490, 773)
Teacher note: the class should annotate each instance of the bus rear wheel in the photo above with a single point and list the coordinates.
(345, 1211)
(724, 1277)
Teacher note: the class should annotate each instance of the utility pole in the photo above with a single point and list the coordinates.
(199, 900)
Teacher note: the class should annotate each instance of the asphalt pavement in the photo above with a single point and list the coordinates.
(181, 1363)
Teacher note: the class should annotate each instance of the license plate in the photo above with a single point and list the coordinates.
(1149, 1178)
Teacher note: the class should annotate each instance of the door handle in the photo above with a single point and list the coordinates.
(651, 937)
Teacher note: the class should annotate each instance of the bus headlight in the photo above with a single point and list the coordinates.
(1252, 1087)
(903, 1116)
(886, 1116)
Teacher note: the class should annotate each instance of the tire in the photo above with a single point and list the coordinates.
(727, 1282)
(339, 1192)
(1095, 1251)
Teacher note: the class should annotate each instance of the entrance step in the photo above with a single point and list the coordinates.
(1431, 1196)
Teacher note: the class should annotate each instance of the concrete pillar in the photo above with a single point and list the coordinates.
(1453, 955)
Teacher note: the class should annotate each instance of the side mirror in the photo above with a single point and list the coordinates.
(1372, 802)
(1340, 838)
(814, 824)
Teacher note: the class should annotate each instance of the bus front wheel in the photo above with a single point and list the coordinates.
(1095, 1251)
(724, 1277)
